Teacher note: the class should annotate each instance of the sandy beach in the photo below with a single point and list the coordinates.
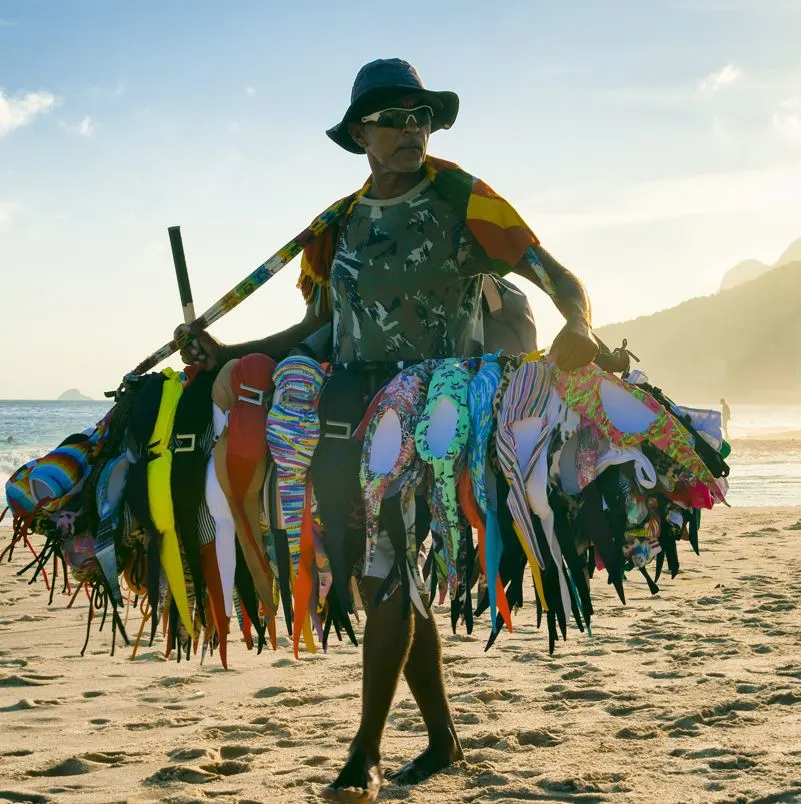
(690, 696)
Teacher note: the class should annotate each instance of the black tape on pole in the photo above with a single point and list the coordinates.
(181, 273)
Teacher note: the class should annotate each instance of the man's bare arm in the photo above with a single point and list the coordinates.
(204, 349)
(278, 345)
(575, 345)
(562, 285)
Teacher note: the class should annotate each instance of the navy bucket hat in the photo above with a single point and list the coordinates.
(381, 81)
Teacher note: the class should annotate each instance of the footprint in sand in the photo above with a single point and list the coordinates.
(188, 754)
(239, 731)
(722, 715)
(181, 773)
(637, 733)
(163, 722)
(239, 751)
(67, 767)
(112, 758)
(785, 698)
(469, 675)
(492, 695)
(270, 692)
(586, 694)
(22, 681)
(27, 703)
(302, 700)
(624, 710)
(792, 670)
(229, 767)
(722, 759)
(316, 761)
(86, 763)
(407, 723)
(28, 798)
(539, 738)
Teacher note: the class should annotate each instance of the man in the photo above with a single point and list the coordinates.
(725, 415)
(404, 283)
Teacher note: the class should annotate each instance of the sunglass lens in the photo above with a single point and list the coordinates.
(399, 118)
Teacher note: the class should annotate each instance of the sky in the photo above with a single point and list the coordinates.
(651, 146)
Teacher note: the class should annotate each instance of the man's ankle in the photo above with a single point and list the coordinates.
(365, 748)
(443, 739)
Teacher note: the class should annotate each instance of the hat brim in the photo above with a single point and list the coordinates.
(444, 104)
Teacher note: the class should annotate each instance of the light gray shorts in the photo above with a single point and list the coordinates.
(383, 558)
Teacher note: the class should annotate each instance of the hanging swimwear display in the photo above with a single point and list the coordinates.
(203, 498)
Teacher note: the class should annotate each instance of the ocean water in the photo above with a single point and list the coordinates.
(30, 429)
(763, 473)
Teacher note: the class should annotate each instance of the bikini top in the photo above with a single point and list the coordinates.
(293, 430)
(483, 388)
(527, 397)
(159, 476)
(192, 443)
(627, 415)
(242, 390)
(389, 454)
(109, 495)
(441, 440)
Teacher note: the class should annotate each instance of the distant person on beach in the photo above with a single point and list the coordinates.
(725, 412)
(402, 284)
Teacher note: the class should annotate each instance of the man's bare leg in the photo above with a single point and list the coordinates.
(387, 639)
(393, 643)
(423, 673)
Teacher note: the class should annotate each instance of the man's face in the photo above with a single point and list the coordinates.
(400, 149)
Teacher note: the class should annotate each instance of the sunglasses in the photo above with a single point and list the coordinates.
(399, 118)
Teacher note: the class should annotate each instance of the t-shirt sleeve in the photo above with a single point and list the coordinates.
(472, 259)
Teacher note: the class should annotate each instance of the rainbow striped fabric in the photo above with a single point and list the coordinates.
(293, 430)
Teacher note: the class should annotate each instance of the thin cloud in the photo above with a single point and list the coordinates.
(710, 194)
(20, 110)
(727, 6)
(250, 91)
(83, 128)
(657, 97)
(787, 122)
(7, 212)
(7, 23)
(719, 79)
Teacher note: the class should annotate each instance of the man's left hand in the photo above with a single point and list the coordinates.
(573, 347)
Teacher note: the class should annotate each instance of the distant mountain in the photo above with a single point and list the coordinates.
(791, 254)
(748, 270)
(73, 395)
(743, 343)
(744, 271)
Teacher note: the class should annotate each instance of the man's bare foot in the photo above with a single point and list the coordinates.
(434, 759)
(359, 781)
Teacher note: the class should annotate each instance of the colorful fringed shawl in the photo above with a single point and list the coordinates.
(495, 224)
